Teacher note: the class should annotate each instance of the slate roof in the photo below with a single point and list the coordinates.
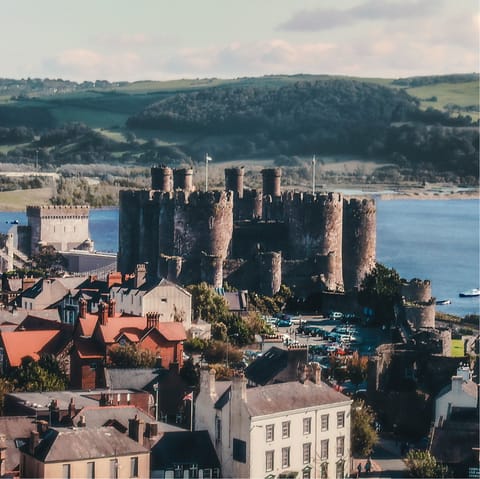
(290, 396)
(468, 387)
(19, 344)
(186, 447)
(43, 399)
(17, 431)
(236, 301)
(78, 444)
(97, 416)
(140, 379)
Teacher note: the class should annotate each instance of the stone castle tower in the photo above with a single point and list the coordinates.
(246, 236)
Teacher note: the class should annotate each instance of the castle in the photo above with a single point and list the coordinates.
(251, 239)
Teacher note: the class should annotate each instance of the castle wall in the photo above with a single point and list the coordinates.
(269, 272)
(64, 227)
(359, 241)
(211, 270)
(420, 315)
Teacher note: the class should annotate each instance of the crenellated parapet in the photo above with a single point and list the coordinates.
(162, 178)
(417, 290)
(359, 240)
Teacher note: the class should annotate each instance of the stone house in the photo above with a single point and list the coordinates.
(291, 429)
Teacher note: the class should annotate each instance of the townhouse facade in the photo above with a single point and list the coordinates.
(293, 429)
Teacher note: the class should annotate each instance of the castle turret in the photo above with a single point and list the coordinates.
(234, 181)
(359, 241)
(269, 272)
(271, 178)
(183, 179)
(418, 303)
(162, 178)
(211, 270)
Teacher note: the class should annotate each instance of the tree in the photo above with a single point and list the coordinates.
(207, 304)
(131, 356)
(380, 291)
(364, 436)
(357, 368)
(42, 375)
(49, 259)
(423, 464)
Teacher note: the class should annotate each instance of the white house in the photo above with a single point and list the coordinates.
(172, 302)
(293, 429)
(461, 393)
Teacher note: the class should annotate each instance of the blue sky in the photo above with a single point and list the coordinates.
(160, 40)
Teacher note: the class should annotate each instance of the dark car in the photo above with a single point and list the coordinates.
(283, 323)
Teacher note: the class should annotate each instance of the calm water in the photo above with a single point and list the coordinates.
(436, 240)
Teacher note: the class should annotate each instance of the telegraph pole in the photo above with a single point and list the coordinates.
(313, 174)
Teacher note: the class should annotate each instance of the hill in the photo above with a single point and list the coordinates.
(422, 126)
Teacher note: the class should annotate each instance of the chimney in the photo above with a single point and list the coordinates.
(113, 279)
(54, 412)
(82, 421)
(207, 381)
(315, 373)
(71, 409)
(136, 429)
(457, 382)
(82, 304)
(239, 387)
(111, 308)
(42, 427)
(103, 313)
(140, 275)
(302, 372)
(3, 454)
(34, 441)
(152, 320)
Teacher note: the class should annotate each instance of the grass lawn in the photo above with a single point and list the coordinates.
(457, 348)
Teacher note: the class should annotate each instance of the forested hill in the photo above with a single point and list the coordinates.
(341, 115)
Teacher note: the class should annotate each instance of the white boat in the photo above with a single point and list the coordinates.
(443, 301)
(470, 293)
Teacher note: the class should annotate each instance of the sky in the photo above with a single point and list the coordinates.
(125, 40)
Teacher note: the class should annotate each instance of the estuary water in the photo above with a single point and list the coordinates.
(427, 239)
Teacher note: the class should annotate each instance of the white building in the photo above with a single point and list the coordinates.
(291, 429)
(172, 302)
(461, 393)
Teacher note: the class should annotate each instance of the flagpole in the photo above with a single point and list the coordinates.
(313, 174)
(191, 413)
(206, 171)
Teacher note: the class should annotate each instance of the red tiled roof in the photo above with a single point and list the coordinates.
(122, 324)
(87, 325)
(172, 331)
(19, 344)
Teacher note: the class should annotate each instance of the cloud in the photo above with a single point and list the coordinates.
(327, 18)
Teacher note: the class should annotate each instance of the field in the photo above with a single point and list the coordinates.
(457, 348)
(18, 200)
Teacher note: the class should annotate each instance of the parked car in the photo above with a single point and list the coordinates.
(283, 323)
(336, 315)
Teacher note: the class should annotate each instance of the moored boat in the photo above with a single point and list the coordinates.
(470, 293)
(443, 301)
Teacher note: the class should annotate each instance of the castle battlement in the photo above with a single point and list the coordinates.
(58, 211)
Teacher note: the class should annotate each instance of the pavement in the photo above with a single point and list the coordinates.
(386, 461)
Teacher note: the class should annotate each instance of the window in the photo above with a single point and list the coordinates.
(306, 473)
(239, 450)
(307, 448)
(218, 430)
(66, 471)
(324, 449)
(134, 467)
(285, 457)
(341, 419)
(324, 470)
(340, 470)
(324, 422)
(90, 470)
(285, 429)
(340, 446)
(307, 425)
(113, 468)
(269, 461)
(269, 432)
